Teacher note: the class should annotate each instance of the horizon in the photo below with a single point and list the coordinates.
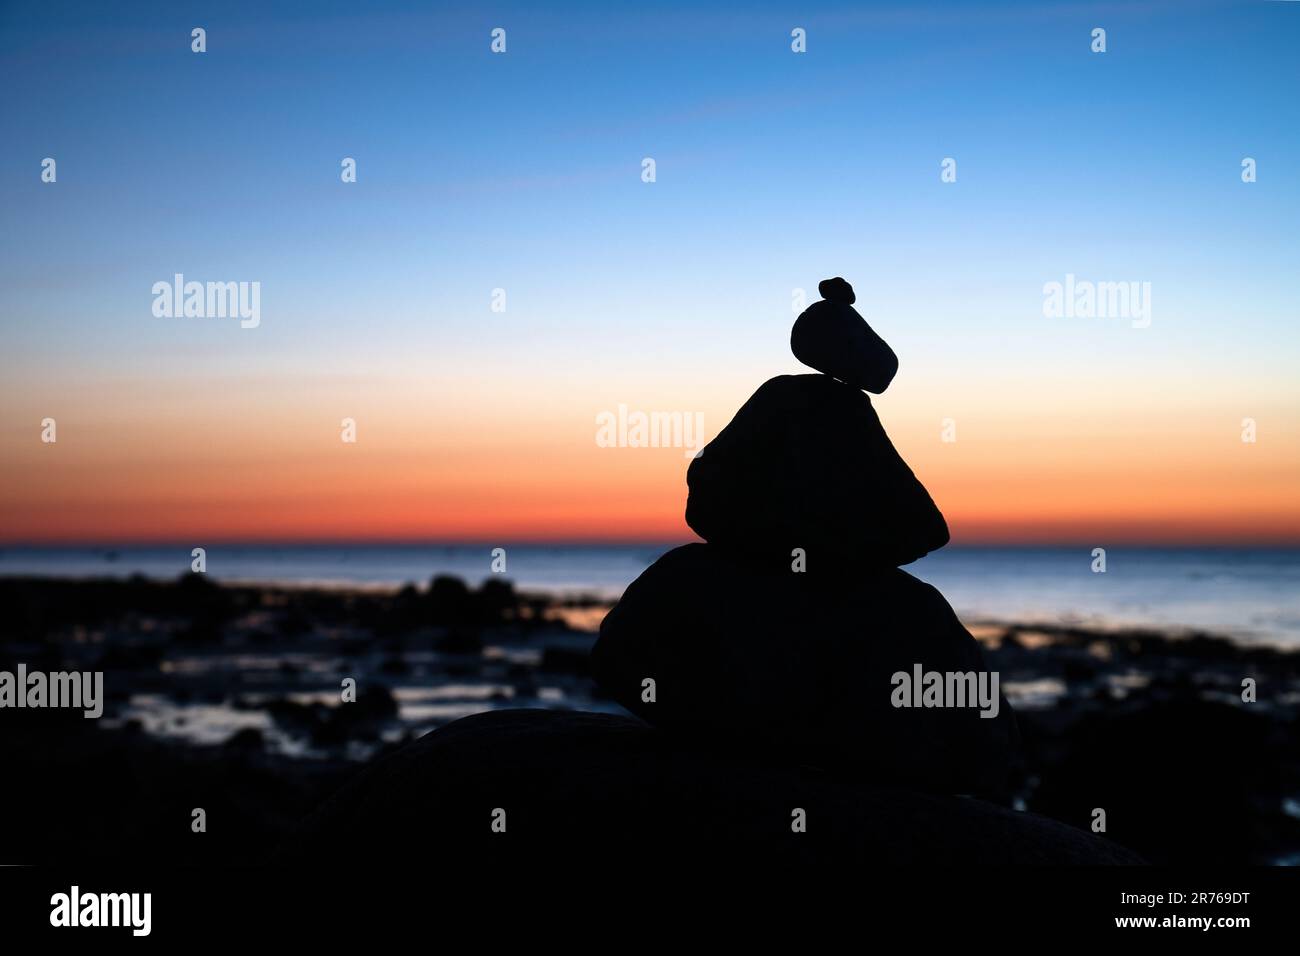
(616, 543)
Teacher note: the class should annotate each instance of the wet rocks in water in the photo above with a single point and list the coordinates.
(768, 661)
(806, 463)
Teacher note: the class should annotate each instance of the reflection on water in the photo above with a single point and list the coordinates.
(293, 701)
(1040, 694)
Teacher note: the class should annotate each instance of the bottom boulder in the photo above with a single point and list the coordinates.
(803, 667)
(600, 793)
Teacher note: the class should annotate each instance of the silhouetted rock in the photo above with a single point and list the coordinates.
(1149, 766)
(451, 603)
(497, 601)
(608, 793)
(837, 290)
(779, 663)
(460, 640)
(806, 464)
(833, 338)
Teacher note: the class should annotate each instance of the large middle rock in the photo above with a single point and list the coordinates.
(753, 659)
(806, 464)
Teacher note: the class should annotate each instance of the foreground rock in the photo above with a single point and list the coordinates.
(786, 663)
(607, 794)
(806, 464)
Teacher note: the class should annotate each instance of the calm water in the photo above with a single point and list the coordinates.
(1249, 594)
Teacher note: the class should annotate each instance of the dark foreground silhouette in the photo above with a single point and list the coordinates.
(798, 665)
(783, 633)
(611, 793)
(1128, 727)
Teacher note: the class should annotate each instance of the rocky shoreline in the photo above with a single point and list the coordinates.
(1150, 726)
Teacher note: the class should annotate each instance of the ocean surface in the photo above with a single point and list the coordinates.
(1248, 594)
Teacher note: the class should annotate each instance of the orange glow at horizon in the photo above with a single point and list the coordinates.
(288, 477)
(444, 454)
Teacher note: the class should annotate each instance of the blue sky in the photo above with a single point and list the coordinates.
(522, 170)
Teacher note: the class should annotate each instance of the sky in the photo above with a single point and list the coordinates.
(523, 171)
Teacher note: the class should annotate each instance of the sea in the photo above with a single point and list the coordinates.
(1251, 595)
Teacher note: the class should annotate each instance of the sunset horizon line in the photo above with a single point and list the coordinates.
(1281, 543)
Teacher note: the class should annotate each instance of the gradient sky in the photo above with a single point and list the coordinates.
(522, 171)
